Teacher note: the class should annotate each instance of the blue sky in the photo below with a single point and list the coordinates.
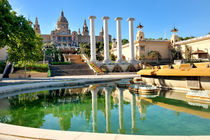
(191, 17)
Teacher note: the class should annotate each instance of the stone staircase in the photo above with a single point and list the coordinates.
(77, 67)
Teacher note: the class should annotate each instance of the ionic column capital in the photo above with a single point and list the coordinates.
(105, 18)
(118, 18)
(91, 17)
(130, 19)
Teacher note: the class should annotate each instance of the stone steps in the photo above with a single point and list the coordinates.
(77, 67)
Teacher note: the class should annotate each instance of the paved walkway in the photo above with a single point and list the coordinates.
(14, 85)
(13, 132)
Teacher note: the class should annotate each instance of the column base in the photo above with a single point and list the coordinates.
(133, 61)
(93, 60)
(121, 61)
(107, 61)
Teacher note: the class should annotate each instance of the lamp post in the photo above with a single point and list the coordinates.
(44, 49)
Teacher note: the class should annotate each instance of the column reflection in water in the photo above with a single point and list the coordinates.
(121, 111)
(108, 108)
(94, 109)
(133, 113)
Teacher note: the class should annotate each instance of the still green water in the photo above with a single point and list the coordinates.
(105, 108)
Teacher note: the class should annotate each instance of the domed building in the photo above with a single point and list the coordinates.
(62, 36)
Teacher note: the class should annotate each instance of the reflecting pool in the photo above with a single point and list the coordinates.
(105, 108)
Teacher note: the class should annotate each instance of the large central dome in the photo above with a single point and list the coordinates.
(62, 18)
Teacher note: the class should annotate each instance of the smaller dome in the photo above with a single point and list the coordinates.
(62, 18)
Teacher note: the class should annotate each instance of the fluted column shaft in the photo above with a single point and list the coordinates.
(108, 108)
(131, 39)
(94, 109)
(106, 40)
(92, 39)
(119, 39)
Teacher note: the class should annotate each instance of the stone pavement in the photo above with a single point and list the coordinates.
(13, 132)
(14, 85)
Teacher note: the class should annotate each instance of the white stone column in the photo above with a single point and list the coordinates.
(94, 109)
(108, 108)
(121, 111)
(119, 40)
(131, 40)
(133, 112)
(92, 39)
(106, 40)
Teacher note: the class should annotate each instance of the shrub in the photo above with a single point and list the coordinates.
(32, 67)
(60, 63)
(2, 66)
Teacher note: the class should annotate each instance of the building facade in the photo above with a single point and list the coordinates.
(62, 36)
(196, 48)
(142, 47)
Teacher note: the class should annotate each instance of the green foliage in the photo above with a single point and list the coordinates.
(96, 68)
(154, 55)
(175, 55)
(188, 52)
(61, 56)
(186, 38)
(32, 67)
(49, 73)
(113, 57)
(85, 48)
(99, 50)
(124, 41)
(16, 32)
(150, 38)
(142, 57)
(6, 23)
(2, 66)
(60, 63)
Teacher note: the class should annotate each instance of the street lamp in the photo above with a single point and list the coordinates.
(44, 49)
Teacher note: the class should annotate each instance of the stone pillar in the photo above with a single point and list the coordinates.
(131, 40)
(92, 39)
(121, 111)
(119, 40)
(106, 40)
(94, 109)
(108, 108)
(133, 113)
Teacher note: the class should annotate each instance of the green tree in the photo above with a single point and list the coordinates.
(113, 57)
(175, 55)
(186, 38)
(124, 41)
(154, 55)
(6, 22)
(25, 46)
(188, 52)
(142, 57)
(16, 33)
(85, 48)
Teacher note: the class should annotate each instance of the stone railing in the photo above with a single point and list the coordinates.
(85, 58)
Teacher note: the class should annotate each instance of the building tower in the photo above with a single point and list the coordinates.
(101, 32)
(62, 23)
(79, 33)
(174, 37)
(85, 31)
(114, 44)
(37, 27)
(140, 33)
